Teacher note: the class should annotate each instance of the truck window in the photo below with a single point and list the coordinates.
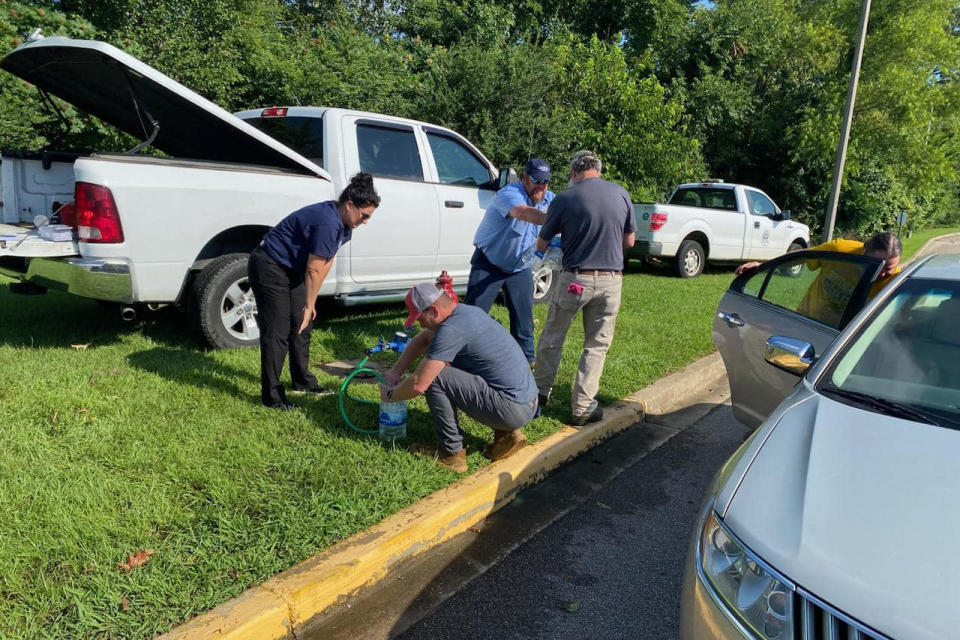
(303, 135)
(707, 197)
(456, 164)
(760, 205)
(389, 152)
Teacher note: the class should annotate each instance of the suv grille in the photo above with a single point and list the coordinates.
(818, 621)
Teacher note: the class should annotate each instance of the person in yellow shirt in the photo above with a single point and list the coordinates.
(827, 296)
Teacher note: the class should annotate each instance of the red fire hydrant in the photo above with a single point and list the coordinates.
(445, 283)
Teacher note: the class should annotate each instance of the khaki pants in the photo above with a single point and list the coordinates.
(600, 302)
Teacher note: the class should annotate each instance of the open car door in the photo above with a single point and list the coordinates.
(804, 295)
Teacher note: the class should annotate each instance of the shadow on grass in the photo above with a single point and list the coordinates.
(187, 366)
(200, 369)
(57, 320)
(663, 269)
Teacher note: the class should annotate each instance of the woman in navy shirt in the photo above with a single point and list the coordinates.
(286, 272)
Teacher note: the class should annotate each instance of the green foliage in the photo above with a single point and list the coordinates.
(663, 90)
(25, 122)
(548, 100)
(765, 83)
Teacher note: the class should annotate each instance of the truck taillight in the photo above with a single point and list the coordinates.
(273, 112)
(657, 220)
(96, 212)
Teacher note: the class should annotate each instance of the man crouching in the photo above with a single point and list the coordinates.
(472, 364)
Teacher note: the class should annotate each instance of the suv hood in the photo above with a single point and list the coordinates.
(859, 509)
(126, 93)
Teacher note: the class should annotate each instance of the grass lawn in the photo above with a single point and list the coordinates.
(143, 440)
(918, 238)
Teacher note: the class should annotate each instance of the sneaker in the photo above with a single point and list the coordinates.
(454, 461)
(286, 405)
(593, 414)
(505, 444)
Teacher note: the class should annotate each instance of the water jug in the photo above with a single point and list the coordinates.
(532, 258)
(393, 420)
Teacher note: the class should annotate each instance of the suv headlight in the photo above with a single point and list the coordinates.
(759, 600)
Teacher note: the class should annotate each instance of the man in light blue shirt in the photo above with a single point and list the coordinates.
(509, 227)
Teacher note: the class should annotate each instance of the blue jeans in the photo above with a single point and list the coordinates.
(486, 280)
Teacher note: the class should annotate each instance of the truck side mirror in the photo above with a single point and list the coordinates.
(784, 215)
(507, 176)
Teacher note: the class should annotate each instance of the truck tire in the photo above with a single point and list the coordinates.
(223, 304)
(543, 280)
(796, 270)
(690, 259)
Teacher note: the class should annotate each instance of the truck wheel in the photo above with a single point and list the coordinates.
(223, 304)
(796, 270)
(690, 259)
(543, 280)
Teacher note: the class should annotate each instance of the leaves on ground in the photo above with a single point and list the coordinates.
(135, 560)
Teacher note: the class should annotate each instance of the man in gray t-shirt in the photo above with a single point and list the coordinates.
(595, 220)
(471, 364)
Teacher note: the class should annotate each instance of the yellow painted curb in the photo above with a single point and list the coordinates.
(283, 605)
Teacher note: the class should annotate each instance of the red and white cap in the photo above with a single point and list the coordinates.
(419, 299)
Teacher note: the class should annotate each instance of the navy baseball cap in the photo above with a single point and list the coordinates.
(538, 169)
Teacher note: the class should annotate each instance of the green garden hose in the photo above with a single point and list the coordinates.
(344, 394)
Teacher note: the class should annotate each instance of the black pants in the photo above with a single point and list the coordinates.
(280, 294)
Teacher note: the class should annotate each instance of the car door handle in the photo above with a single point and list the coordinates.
(756, 225)
(731, 319)
(453, 204)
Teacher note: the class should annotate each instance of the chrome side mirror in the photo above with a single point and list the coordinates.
(507, 176)
(792, 355)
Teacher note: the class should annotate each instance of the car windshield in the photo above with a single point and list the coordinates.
(906, 360)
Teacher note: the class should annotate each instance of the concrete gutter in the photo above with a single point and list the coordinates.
(285, 605)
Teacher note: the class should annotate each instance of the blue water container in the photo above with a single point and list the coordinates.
(393, 420)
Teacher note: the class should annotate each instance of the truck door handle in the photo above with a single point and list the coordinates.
(756, 225)
(453, 204)
(731, 319)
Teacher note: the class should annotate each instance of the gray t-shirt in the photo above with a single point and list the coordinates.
(474, 342)
(591, 217)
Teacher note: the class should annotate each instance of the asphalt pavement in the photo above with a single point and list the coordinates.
(610, 567)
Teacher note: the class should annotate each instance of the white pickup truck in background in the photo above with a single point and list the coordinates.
(178, 229)
(716, 222)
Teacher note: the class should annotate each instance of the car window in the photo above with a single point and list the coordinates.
(389, 152)
(303, 135)
(760, 205)
(456, 164)
(821, 288)
(908, 353)
(711, 198)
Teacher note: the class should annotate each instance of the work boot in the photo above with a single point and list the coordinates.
(593, 414)
(452, 461)
(505, 444)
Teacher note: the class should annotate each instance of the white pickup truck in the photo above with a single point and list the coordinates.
(177, 229)
(717, 222)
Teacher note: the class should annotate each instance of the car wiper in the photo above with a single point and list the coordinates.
(887, 407)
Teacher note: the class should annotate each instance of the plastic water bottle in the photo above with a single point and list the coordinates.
(554, 256)
(532, 258)
(393, 420)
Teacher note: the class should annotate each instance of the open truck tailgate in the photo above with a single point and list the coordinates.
(24, 242)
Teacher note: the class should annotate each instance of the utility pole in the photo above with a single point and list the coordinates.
(847, 119)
